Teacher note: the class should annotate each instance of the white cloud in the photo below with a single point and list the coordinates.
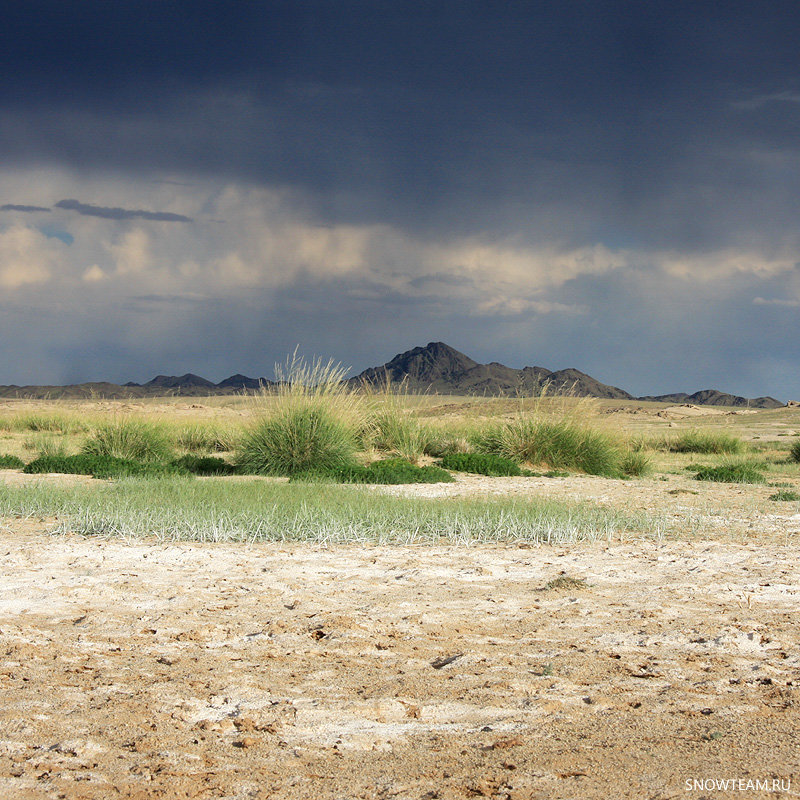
(26, 257)
(776, 301)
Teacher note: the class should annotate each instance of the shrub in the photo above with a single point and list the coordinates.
(129, 440)
(480, 464)
(794, 452)
(204, 465)
(706, 442)
(561, 444)
(742, 472)
(785, 494)
(11, 462)
(100, 466)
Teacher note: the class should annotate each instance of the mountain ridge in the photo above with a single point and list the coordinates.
(437, 367)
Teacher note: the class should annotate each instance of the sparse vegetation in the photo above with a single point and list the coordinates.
(566, 582)
(128, 439)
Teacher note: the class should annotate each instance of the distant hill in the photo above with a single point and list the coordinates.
(711, 397)
(437, 368)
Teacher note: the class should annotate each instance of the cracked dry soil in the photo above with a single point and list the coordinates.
(148, 670)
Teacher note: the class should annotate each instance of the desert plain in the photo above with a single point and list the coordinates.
(658, 660)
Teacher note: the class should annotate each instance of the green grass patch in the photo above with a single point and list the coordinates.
(11, 462)
(204, 465)
(100, 466)
(173, 508)
(480, 464)
(794, 452)
(741, 472)
(785, 495)
(129, 440)
(386, 471)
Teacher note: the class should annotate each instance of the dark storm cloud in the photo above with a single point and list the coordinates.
(666, 127)
(436, 116)
(25, 209)
(119, 213)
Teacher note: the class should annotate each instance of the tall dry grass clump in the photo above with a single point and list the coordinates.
(307, 425)
(388, 427)
(556, 432)
(129, 439)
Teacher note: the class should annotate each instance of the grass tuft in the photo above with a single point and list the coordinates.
(794, 451)
(11, 462)
(129, 440)
(696, 441)
(566, 582)
(635, 464)
(560, 444)
(309, 426)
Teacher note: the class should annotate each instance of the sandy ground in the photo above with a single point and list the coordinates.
(146, 670)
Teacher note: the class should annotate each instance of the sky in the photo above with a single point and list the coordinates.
(202, 186)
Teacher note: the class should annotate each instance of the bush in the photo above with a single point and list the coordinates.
(742, 472)
(11, 462)
(705, 442)
(794, 452)
(204, 465)
(100, 466)
(480, 464)
(129, 440)
(560, 444)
